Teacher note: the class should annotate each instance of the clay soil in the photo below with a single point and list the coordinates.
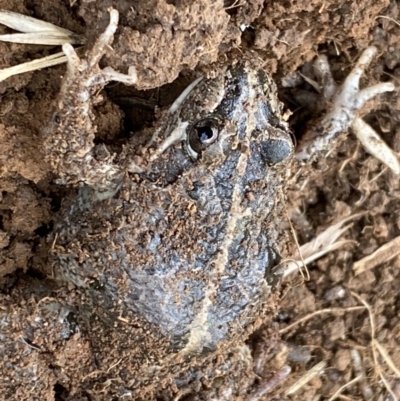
(348, 323)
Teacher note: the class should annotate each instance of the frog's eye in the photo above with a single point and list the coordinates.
(202, 134)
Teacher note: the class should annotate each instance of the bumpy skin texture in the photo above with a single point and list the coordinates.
(69, 135)
(186, 244)
(171, 248)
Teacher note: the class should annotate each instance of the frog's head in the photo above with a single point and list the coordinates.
(213, 122)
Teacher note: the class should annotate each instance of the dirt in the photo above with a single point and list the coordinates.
(169, 40)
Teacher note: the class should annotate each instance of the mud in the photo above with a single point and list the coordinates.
(170, 42)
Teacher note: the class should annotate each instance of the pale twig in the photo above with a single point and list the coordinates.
(344, 106)
(349, 159)
(383, 254)
(30, 345)
(114, 365)
(100, 371)
(320, 312)
(234, 5)
(379, 174)
(387, 385)
(345, 398)
(350, 383)
(182, 393)
(310, 374)
(179, 100)
(313, 83)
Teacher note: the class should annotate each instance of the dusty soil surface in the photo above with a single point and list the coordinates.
(351, 321)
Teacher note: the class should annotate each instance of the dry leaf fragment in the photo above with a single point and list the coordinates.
(325, 242)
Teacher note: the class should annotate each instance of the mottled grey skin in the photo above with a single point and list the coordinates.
(177, 240)
(186, 243)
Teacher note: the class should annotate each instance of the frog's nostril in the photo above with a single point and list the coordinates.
(275, 150)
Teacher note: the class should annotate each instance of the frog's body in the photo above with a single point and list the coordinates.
(170, 248)
(186, 242)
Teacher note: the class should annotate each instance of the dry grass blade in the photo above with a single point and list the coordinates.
(386, 357)
(316, 255)
(303, 265)
(44, 62)
(327, 238)
(33, 27)
(350, 383)
(325, 242)
(387, 385)
(23, 23)
(383, 254)
(35, 32)
(39, 38)
(306, 378)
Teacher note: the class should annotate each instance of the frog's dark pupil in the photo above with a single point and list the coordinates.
(204, 133)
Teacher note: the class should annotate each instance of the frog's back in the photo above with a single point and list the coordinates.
(182, 249)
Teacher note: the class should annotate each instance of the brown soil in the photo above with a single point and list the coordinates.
(164, 40)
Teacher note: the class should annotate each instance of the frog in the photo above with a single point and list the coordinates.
(172, 242)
